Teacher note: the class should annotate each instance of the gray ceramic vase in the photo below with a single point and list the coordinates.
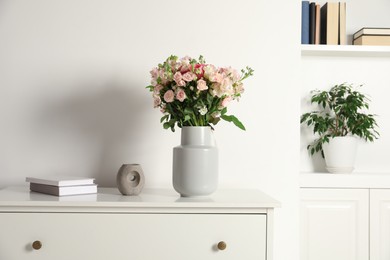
(195, 162)
(130, 179)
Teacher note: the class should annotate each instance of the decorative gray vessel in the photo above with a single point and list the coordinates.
(130, 179)
(195, 162)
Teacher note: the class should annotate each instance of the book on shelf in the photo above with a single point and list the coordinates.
(63, 190)
(342, 23)
(317, 24)
(312, 22)
(61, 180)
(330, 23)
(305, 22)
(324, 24)
(371, 31)
(375, 40)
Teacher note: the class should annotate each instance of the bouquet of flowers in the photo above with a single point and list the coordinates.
(190, 92)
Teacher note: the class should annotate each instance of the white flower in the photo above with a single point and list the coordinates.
(203, 111)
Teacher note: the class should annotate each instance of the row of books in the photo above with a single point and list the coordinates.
(324, 24)
(372, 36)
(62, 185)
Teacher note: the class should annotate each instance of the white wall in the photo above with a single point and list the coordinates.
(73, 98)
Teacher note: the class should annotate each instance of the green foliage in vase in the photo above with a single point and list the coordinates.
(341, 113)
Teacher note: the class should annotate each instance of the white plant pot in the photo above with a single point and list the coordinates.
(340, 154)
(195, 162)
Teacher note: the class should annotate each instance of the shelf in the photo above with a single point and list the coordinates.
(347, 180)
(345, 50)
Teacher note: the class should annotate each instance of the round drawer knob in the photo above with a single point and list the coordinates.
(37, 244)
(221, 245)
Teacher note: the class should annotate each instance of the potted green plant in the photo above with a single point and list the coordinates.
(340, 119)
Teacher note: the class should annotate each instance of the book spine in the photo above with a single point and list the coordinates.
(317, 30)
(323, 19)
(342, 23)
(333, 24)
(305, 23)
(330, 23)
(312, 22)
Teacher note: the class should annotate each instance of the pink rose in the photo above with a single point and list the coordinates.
(185, 65)
(157, 89)
(181, 95)
(189, 76)
(181, 83)
(201, 85)
(226, 101)
(177, 77)
(199, 70)
(185, 68)
(218, 77)
(157, 102)
(154, 74)
(169, 96)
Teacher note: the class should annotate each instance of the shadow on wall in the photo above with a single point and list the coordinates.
(104, 125)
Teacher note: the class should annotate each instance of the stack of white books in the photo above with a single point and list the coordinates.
(62, 185)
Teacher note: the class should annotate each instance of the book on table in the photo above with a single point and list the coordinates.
(63, 190)
(62, 185)
(61, 180)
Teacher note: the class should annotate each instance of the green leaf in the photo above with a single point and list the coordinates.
(226, 118)
(210, 99)
(236, 122)
(187, 118)
(224, 111)
(188, 110)
(164, 118)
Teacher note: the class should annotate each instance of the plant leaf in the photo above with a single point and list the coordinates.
(236, 122)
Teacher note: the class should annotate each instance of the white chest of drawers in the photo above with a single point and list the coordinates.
(158, 224)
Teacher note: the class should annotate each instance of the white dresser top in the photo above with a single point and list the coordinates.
(21, 199)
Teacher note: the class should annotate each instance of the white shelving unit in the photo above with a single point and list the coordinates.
(347, 181)
(341, 213)
(323, 66)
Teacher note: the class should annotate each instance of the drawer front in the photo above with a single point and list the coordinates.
(76, 236)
